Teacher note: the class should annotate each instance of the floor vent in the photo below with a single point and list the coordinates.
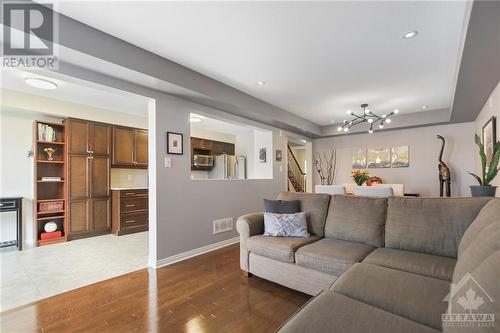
(223, 225)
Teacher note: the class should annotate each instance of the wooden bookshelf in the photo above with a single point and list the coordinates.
(50, 196)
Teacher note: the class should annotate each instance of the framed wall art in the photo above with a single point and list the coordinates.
(175, 143)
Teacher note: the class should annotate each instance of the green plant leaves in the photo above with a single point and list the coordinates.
(493, 169)
(477, 178)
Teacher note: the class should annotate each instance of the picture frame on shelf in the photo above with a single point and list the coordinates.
(175, 144)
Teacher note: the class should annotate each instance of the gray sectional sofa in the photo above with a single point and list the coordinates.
(385, 265)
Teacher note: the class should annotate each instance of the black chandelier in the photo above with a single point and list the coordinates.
(366, 117)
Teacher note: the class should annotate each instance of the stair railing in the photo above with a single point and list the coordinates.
(296, 176)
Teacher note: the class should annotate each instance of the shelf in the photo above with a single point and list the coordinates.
(52, 142)
(49, 200)
(51, 162)
(52, 181)
(51, 241)
(54, 212)
(50, 123)
(50, 218)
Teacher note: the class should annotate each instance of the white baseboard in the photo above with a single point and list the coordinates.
(193, 253)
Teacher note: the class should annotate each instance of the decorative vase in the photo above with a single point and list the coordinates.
(483, 191)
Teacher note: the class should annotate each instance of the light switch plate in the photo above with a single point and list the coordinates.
(168, 162)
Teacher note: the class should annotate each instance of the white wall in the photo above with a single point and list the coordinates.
(490, 109)
(17, 114)
(422, 175)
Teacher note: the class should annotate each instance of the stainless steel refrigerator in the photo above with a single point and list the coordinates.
(228, 167)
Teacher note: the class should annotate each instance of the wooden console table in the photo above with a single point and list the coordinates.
(14, 205)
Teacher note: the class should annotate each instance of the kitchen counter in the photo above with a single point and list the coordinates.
(125, 188)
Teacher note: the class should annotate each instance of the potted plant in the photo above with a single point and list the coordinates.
(360, 176)
(489, 172)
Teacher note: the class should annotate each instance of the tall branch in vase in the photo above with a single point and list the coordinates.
(326, 166)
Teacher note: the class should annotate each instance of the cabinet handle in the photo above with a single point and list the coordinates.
(131, 205)
(129, 221)
(129, 193)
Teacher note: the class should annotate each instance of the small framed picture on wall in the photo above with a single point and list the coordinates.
(489, 138)
(174, 143)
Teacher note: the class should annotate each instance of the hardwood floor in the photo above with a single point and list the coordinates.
(204, 294)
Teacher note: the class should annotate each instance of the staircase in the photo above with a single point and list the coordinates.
(296, 177)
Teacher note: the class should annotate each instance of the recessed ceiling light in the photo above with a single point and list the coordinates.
(332, 121)
(40, 83)
(410, 34)
(424, 107)
(261, 83)
(303, 141)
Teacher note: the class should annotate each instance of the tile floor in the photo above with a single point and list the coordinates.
(39, 272)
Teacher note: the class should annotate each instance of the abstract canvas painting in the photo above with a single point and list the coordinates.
(400, 156)
(379, 158)
(359, 158)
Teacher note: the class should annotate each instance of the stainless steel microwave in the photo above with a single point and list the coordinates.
(203, 160)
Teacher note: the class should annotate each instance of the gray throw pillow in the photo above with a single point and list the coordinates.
(285, 225)
(281, 206)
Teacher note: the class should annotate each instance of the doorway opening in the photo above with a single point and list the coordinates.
(77, 156)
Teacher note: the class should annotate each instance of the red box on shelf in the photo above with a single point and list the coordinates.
(50, 235)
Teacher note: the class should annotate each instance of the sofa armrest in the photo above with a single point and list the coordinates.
(247, 226)
(250, 224)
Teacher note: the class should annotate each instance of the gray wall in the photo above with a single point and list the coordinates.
(185, 208)
(422, 175)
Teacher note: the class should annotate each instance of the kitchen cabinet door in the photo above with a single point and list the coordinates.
(78, 136)
(141, 148)
(100, 138)
(123, 146)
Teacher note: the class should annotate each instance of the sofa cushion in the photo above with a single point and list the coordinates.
(279, 248)
(408, 295)
(315, 206)
(357, 219)
(430, 225)
(489, 214)
(430, 265)
(333, 256)
(281, 206)
(332, 312)
(484, 285)
(481, 247)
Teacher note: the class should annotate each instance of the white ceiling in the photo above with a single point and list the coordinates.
(77, 92)
(318, 58)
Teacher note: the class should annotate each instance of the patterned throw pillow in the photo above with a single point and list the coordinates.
(285, 225)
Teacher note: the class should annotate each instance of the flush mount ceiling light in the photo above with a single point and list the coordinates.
(424, 107)
(261, 83)
(40, 83)
(410, 34)
(367, 116)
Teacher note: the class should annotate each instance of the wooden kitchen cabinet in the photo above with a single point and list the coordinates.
(89, 176)
(130, 147)
(129, 211)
